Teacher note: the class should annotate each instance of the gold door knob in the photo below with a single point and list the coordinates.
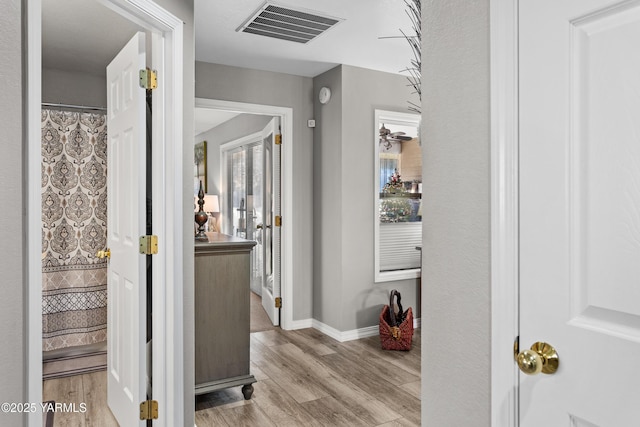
(542, 357)
(104, 254)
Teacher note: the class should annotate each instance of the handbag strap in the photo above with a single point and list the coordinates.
(392, 314)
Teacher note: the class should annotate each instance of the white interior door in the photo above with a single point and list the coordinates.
(271, 232)
(126, 356)
(579, 148)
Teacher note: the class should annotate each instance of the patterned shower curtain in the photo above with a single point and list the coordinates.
(74, 221)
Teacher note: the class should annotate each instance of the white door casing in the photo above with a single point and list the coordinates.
(126, 277)
(271, 233)
(579, 192)
(288, 258)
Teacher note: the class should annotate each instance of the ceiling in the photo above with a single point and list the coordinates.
(83, 36)
(354, 41)
(206, 118)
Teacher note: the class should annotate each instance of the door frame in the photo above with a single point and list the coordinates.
(168, 342)
(504, 211)
(286, 123)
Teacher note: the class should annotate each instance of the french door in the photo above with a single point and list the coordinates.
(244, 207)
(252, 203)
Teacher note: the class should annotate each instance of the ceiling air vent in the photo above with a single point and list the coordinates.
(284, 23)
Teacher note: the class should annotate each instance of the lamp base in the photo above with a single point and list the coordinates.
(201, 219)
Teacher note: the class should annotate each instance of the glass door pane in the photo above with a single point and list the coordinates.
(237, 193)
(245, 206)
(268, 213)
(255, 214)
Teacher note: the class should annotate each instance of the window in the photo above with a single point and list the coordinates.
(398, 196)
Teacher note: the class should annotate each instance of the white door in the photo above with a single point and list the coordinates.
(126, 357)
(579, 151)
(271, 230)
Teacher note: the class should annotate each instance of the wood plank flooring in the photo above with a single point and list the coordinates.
(305, 378)
(90, 389)
(259, 319)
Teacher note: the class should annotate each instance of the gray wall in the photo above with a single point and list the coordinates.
(75, 88)
(327, 201)
(346, 296)
(226, 83)
(236, 128)
(13, 355)
(456, 333)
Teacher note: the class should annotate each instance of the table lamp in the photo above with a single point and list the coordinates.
(211, 206)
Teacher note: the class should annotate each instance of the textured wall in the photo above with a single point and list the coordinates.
(227, 83)
(456, 252)
(12, 258)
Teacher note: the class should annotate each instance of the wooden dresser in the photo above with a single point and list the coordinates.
(222, 276)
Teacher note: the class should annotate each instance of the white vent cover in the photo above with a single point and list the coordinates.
(284, 23)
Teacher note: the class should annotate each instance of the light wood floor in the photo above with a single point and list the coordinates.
(304, 379)
(90, 389)
(259, 320)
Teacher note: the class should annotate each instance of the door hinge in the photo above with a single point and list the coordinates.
(149, 245)
(278, 221)
(148, 79)
(279, 139)
(278, 302)
(149, 410)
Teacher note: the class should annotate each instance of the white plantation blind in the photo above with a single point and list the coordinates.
(398, 243)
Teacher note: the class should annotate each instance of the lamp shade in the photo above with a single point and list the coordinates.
(211, 203)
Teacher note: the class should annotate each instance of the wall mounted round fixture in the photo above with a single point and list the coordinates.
(325, 95)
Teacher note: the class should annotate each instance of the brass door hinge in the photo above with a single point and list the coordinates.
(149, 410)
(278, 221)
(149, 245)
(278, 302)
(148, 79)
(279, 139)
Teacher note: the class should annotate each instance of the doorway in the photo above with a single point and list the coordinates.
(251, 200)
(74, 178)
(285, 116)
(166, 34)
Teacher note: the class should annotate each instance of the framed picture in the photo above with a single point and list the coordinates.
(200, 167)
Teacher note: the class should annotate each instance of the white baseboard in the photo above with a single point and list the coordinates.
(301, 324)
(353, 334)
(342, 336)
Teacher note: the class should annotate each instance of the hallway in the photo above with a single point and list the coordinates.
(305, 378)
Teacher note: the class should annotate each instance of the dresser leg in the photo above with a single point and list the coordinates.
(247, 391)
